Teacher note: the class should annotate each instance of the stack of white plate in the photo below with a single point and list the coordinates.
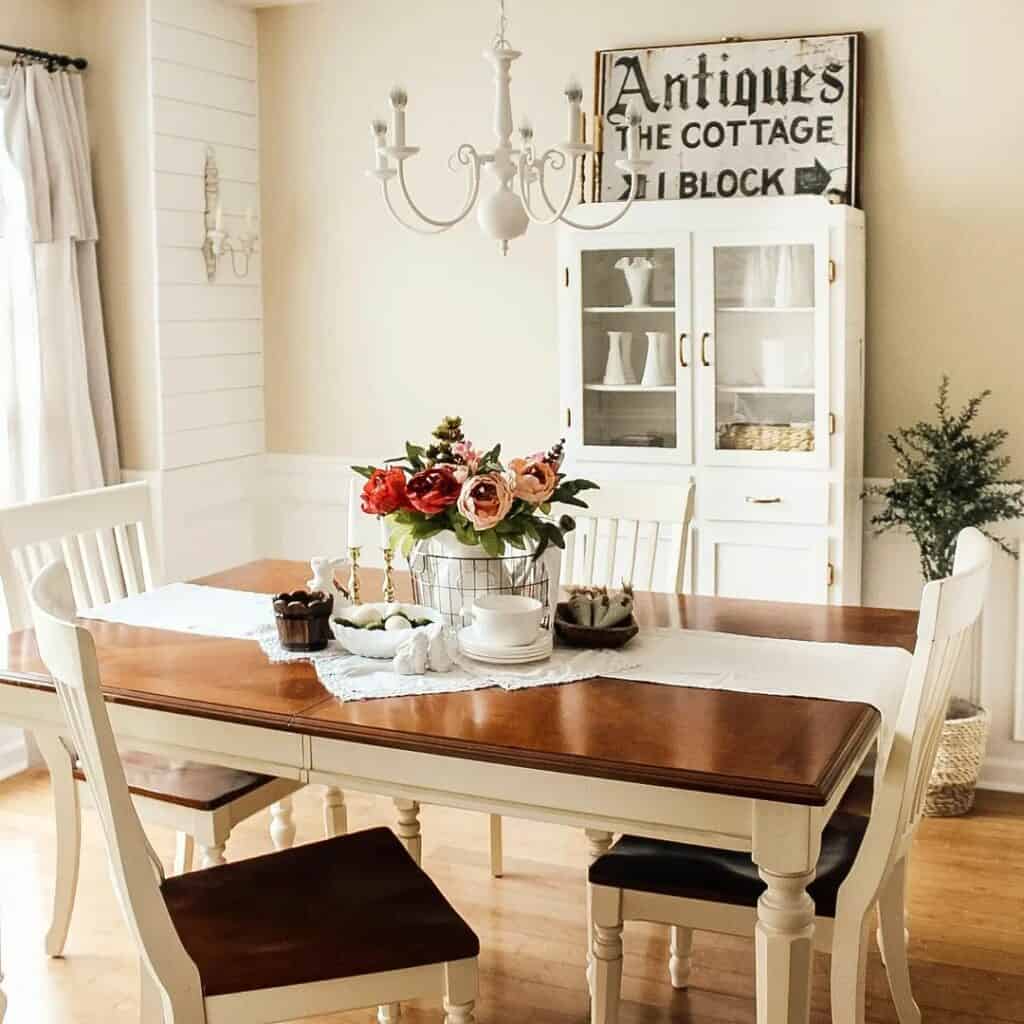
(472, 645)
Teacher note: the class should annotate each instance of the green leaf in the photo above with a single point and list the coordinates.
(407, 544)
(364, 471)
(465, 534)
(414, 453)
(492, 543)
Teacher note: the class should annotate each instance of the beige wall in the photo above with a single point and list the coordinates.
(41, 24)
(373, 333)
(112, 35)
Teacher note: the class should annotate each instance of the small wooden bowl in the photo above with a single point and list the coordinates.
(575, 635)
(303, 619)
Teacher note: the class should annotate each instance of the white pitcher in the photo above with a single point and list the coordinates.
(619, 368)
(658, 368)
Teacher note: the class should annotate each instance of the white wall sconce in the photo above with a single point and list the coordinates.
(216, 241)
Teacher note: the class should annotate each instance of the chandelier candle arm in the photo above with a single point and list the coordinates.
(468, 157)
(631, 167)
(389, 204)
(526, 176)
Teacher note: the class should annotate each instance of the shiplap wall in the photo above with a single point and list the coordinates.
(204, 93)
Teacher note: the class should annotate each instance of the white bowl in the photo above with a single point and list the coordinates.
(379, 643)
(507, 620)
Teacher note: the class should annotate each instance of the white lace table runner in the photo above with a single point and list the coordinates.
(671, 657)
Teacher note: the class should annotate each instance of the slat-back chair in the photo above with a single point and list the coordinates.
(106, 539)
(638, 532)
(863, 862)
(341, 924)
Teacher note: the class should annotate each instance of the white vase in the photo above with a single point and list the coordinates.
(773, 362)
(658, 367)
(451, 575)
(619, 368)
(638, 280)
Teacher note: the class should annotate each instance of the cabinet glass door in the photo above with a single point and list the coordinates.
(633, 361)
(763, 352)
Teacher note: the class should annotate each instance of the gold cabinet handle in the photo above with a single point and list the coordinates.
(682, 351)
(704, 338)
(750, 500)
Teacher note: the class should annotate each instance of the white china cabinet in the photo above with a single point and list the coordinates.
(761, 396)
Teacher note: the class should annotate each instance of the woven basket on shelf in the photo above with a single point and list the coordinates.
(766, 437)
(961, 751)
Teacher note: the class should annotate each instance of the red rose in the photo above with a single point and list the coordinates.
(384, 492)
(433, 490)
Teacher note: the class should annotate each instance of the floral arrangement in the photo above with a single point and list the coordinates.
(451, 485)
(947, 477)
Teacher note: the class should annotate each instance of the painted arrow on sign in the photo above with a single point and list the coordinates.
(812, 180)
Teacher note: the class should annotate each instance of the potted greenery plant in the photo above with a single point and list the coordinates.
(949, 477)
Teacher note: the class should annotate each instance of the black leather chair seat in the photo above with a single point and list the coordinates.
(339, 908)
(724, 876)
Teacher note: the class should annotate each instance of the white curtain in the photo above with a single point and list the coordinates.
(56, 411)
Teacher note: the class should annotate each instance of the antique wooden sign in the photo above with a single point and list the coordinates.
(767, 117)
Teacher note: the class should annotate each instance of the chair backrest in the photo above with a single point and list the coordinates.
(105, 537)
(950, 608)
(70, 656)
(633, 531)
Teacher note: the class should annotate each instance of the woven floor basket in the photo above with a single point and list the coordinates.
(961, 751)
(766, 437)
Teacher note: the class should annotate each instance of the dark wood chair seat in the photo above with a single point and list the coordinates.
(724, 876)
(339, 908)
(204, 787)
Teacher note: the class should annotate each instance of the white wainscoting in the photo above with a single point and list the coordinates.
(301, 511)
(203, 78)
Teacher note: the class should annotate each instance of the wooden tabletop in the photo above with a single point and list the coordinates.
(764, 747)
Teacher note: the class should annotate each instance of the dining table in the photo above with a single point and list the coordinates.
(743, 771)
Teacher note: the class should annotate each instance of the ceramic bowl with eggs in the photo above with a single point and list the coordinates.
(378, 630)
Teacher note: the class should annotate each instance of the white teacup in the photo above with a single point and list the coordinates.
(508, 620)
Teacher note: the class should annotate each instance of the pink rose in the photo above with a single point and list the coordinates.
(486, 499)
(467, 456)
(535, 479)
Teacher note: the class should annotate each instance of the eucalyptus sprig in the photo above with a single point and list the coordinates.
(948, 478)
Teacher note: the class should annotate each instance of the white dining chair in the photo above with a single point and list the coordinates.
(863, 861)
(106, 539)
(339, 924)
(637, 532)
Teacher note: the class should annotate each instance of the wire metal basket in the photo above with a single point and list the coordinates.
(450, 583)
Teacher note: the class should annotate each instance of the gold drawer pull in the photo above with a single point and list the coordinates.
(762, 501)
(682, 351)
(704, 348)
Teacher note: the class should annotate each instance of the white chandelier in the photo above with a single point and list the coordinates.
(506, 213)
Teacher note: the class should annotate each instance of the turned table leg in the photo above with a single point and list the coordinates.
(335, 812)
(598, 844)
(409, 827)
(786, 844)
(282, 824)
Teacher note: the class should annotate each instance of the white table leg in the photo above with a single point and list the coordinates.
(184, 852)
(282, 825)
(409, 827)
(335, 812)
(598, 844)
(68, 816)
(680, 956)
(211, 856)
(787, 841)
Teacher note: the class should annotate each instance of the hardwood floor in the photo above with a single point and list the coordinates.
(967, 922)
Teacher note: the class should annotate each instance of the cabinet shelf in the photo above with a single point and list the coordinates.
(631, 389)
(757, 389)
(629, 309)
(764, 309)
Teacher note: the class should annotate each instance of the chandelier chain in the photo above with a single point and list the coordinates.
(500, 42)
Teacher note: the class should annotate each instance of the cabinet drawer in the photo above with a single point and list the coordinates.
(756, 496)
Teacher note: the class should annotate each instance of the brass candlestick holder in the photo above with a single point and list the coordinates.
(389, 581)
(353, 575)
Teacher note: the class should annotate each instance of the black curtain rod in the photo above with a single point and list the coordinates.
(58, 59)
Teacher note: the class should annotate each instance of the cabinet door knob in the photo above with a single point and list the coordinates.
(682, 351)
(704, 339)
(750, 500)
